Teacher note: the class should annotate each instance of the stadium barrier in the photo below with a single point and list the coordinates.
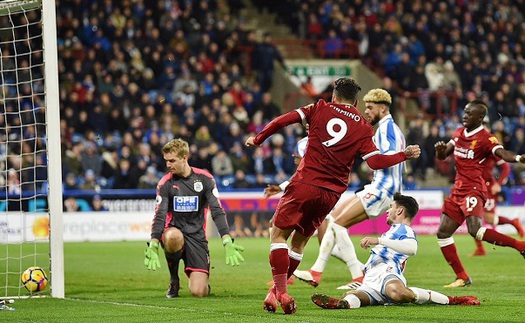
(130, 217)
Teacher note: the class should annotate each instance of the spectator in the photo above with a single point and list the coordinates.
(70, 182)
(221, 164)
(268, 107)
(124, 178)
(332, 45)
(265, 54)
(97, 205)
(240, 180)
(149, 180)
(416, 135)
(13, 182)
(90, 181)
(71, 205)
(90, 158)
(72, 160)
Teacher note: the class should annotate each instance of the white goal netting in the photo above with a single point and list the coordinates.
(25, 144)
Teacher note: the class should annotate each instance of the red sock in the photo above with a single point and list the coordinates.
(294, 263)
(280, 262)
(479, 244)
(451, 256)
(504, 220)
(499, 239)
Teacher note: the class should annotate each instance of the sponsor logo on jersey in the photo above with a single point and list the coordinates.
(198, 187)
(215, 192)
(464, 153)
(158, 199)
(185, 203)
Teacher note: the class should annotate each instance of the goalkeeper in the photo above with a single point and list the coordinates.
(179, 224)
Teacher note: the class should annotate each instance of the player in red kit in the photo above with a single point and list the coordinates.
(471, 146)
(338, 133)
(493, 189)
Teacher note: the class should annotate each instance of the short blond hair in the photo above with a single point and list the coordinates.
(178, 147)
(378, 96)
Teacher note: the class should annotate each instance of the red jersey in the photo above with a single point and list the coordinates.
(488, 175)
(471, 152)
(338, 132)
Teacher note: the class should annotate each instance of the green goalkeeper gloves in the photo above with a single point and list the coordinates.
(233, 256)
(151, 256)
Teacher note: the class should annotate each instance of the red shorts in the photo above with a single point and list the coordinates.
(303, 207)
(458, 207)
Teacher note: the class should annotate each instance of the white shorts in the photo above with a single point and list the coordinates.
(375, 202)
(375, 282)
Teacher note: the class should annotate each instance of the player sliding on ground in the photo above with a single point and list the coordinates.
(384, 281)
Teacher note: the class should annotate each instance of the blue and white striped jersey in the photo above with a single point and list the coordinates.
(300, 147)
(384, 255)
(390, 140)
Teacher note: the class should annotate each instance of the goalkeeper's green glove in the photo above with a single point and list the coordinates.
(233, 256)
(151, 256)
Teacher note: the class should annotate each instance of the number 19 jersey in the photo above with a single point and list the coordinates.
(471, 150)
(338, 132)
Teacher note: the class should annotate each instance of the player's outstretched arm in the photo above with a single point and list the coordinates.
(509, 156)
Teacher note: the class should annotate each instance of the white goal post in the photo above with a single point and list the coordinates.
(31, 178)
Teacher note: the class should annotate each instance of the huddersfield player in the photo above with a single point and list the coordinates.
(179, 224)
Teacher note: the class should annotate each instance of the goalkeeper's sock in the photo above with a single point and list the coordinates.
(295, 260)
(345, 245)
(279, 262)
(325, 249)
(173, 260)
(424, 296)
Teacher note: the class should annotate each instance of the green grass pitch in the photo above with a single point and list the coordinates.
(107, 282)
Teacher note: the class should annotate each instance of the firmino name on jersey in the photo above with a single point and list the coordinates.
(351, 115)
(464, 153)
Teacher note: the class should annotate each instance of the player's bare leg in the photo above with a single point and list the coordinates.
(199, 284)
(321, 231)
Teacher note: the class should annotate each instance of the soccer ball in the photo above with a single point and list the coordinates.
(34, 279)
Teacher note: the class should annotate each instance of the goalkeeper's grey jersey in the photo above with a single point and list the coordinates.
(182, 202)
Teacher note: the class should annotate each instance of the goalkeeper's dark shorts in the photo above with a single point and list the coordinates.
(195, 254)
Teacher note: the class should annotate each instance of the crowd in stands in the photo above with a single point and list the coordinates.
(464, 49)
(136, 73)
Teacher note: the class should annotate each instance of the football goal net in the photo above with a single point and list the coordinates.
(30, 154)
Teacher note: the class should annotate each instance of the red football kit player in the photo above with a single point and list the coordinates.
(338, 132)
(471, 146)
(493, 188)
